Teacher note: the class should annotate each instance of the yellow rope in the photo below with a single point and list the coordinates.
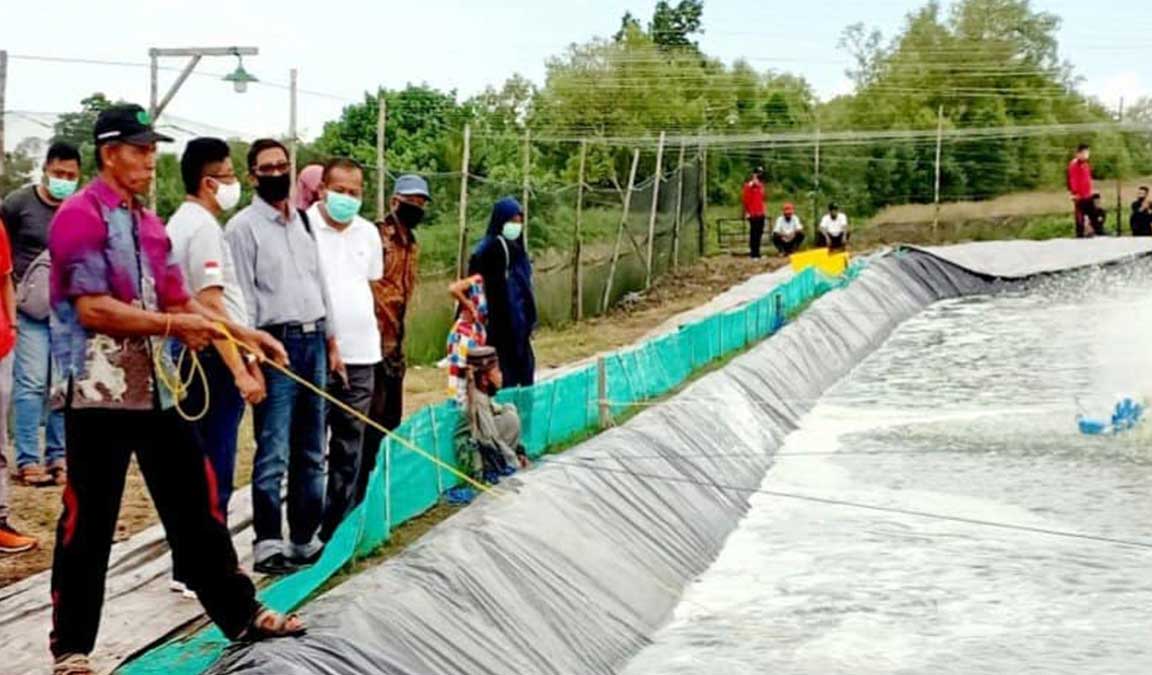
(348, 409)
(179, 387)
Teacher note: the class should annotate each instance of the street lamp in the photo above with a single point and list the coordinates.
(240, 77)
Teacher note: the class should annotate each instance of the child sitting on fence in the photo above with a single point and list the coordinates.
(488, 439)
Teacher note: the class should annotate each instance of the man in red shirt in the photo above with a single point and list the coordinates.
(753, 198)
(1080, 190)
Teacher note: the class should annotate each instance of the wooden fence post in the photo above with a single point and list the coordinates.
(655, 206)
(381, 155)
(679, 206)
(602, 393)
(577, 240)
(462, 251)
(620, 231)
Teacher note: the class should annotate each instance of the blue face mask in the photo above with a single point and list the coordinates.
(341, 208)
(60, 188)
(512, 230)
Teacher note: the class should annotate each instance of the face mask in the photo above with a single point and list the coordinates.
(60, 188)
(512, 230)
(227, 195)
(273, 189)
(341, 208)
(409, 214)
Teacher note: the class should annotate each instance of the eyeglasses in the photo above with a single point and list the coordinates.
(273, 169)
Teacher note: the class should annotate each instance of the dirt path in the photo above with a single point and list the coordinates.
(35, 510)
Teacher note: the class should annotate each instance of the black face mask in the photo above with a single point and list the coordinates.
(273, 189)
(409, 215)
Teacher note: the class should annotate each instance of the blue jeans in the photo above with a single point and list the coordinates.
(290, 440)
(31, 375)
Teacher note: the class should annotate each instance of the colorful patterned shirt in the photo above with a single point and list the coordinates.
(392, 293)
(101, 245)
(467, 334)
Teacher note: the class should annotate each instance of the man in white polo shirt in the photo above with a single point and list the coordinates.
(350, 257)
(788, 233)
(211, 189)
(833, 232)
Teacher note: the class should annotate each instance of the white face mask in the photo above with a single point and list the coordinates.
(228, 195)
(512, 230)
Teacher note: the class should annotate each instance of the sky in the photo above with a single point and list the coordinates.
(343, 49)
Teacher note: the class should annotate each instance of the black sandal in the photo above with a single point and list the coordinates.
(268, 625)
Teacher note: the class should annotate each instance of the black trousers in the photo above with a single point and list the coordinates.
(1083, 212)
(182, 484)
(387, 407)
(755, 235)
(345, 444)
(787, 246)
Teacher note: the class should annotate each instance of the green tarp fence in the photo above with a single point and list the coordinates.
(405, 484)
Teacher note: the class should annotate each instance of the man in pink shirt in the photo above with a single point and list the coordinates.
(1080, 190)
(117, 296)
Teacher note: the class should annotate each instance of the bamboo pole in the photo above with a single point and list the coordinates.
(652, 215)
(292, 143)
(527, 181)
(464, 162)
(620, 231)
(381, 155)
(679, 206)
(702, 217)
(939, 147)
(577, 240)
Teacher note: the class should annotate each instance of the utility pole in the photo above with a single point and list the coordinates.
(3, 87)
(577, 243)
(652, 216)
(381, 154)
(527, 181)
(1119, 186)
(292, 80)
(939, 146)
(464, 162)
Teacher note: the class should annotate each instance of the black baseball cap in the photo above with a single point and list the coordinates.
(126, 123)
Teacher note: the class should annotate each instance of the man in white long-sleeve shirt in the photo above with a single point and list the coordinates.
(788, 233)
(833, 232)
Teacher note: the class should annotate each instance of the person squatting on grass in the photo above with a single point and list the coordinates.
(117, 295)
(488, 439)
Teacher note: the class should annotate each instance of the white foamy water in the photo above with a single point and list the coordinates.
(968, 411)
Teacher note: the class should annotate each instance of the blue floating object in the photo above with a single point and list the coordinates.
(1091, 427)
(1125, 416)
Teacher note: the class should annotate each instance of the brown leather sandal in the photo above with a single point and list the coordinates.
(267, 625)
(34, 475)
(59, 474)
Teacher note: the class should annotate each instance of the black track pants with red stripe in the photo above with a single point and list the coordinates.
(180, 480)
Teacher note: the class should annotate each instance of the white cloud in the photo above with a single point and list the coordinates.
(1128, 84)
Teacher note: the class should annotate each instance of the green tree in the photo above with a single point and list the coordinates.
(76, 128)
(672, 25)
